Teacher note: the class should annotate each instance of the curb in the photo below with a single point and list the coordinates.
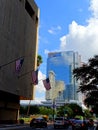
(12, 127)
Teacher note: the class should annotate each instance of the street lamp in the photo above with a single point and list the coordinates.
(54, 106)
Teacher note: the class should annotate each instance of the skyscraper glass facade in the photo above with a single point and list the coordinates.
(62, 64)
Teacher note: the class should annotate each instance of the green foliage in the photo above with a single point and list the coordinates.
(32, 110)
(23, 110)
(88, 79)
(77, 110)
(45, 110)
(25, 119)
(35, 110)
(39, 60)
(87, 114)
(70, 110)
(65, 111)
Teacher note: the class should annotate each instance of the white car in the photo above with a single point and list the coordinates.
(59, 122)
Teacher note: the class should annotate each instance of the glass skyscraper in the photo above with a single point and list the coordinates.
(62, 64)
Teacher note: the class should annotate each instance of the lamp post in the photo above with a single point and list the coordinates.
(54, 105)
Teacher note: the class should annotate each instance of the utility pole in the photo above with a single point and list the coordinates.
(53, 108)
(28, 108)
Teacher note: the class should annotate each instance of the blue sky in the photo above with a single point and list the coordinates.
(66, 25)
(55, 18)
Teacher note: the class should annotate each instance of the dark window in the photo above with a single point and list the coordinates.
(36, 20)
(29, 9)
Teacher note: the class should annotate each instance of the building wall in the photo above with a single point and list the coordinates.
(18, 38)
(51, 94)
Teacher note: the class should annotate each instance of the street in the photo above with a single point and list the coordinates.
(50, 127)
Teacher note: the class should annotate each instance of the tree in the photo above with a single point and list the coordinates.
(33, 110)
(39, 60)
(77, 110)
(87, 75)
(87, 113)
(65, 110)
(70, 110)
(45, 111)
(23, 110)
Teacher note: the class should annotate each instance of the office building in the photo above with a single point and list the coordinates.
(18, 39)
(57, 87)
(63, 64)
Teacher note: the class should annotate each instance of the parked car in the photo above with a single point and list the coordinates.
(79, 125)
(96, 125)
(59, 122)
(71, 121)
(38, 122)
(90, 123)
(66, 123)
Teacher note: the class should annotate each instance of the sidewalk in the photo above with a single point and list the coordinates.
(12, 127)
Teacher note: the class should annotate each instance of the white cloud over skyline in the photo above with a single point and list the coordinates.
(35, 101)
(40, 87)
(83, 39)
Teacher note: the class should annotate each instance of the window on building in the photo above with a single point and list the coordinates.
(29, 9)
(36, 20)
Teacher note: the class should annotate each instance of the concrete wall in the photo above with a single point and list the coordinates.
(18, 37)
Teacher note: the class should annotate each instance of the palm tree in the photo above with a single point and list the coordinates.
(39, 60)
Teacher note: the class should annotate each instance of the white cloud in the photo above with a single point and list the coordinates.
(46, 51)
(80, 10)
(35, 101)
(94, 8)
(51, 31)
(54, 30)
(40, 87)
(39, 99)
(83, 39)
(59, 27)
